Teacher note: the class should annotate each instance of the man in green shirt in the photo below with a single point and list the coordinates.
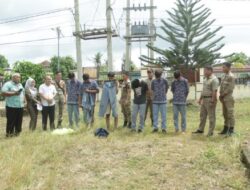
(14, 98)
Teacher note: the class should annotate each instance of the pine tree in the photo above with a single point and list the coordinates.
(193, 42)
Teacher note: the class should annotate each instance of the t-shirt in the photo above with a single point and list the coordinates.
(140, 93)
(16, 101)
(160, 89)
(92, 85)
(47, 91)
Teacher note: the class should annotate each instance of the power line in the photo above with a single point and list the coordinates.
(29, 41)
(16, 19)
(97, 7)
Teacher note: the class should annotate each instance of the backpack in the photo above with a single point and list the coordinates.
(100, 132)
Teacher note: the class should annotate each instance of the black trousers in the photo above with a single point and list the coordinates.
(48, 111)
(14, 121)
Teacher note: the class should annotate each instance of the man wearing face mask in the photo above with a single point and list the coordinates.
(14, 93)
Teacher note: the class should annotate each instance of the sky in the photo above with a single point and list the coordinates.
(233, 15)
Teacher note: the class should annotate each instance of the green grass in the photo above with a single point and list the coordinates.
(126, 161)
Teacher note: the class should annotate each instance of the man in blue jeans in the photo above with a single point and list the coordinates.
(180, 90)
(159, 87)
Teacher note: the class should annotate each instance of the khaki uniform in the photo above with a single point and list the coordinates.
(226, 90)
(125, 100)
(208, 108)
(60, 98)
(149, 103)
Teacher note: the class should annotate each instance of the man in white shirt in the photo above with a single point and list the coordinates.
(47, 92)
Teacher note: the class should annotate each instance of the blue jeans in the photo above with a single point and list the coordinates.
(88, 115)
(179, 108)
(138, 108)
(162, 108)
(73, 110)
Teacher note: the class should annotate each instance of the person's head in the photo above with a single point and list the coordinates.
(135, 83)
(177, 74)
(226, 67)
(125, 75)
(158, 73)
(30, 83)
(58, 75)
(208, 71)
(111, 75)
(85, 77)
(48, 80)
(150, 73)
(71, 76)
(16, 78)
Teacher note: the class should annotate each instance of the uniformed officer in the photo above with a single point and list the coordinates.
(227, 100)
(125, 100)
(208, 101)
(60, 97)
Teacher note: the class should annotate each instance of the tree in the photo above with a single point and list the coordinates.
(28, 69)
(193, 43)
(67, 64)
(98, 62)
(3, 62)
(239, 59)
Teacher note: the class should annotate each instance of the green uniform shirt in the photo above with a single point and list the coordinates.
(16, 101)
(210, 85)
(227, 86)
(126, 92)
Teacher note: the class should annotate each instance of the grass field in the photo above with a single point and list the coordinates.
(126, 160)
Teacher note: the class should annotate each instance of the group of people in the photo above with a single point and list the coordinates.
(150, 97)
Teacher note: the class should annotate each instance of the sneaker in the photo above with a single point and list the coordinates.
(210, 134)
(176, 130)
(197, 132)
(133, 130)
(164, 131)
(155, 130)
(139, 130)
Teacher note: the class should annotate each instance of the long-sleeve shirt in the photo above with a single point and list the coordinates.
(180, 90)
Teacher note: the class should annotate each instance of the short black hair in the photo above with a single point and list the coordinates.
(85, 76)
(177, 74)
(158, 73)
(135, 83)
(71, 75)
(227, 64)
(125, 73)
(57, 72)
(111, 74)
(209, 67)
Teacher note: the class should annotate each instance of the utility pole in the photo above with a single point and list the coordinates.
(128, 43)
(152, 29)
(109, 35)
(58, 32)
(78, 41)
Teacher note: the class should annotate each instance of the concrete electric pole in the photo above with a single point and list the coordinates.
(109, 36)
(151, 30)
(128, 43)
(78, 41)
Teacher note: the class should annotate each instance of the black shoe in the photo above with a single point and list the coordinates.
(125, 124)
(164, 131)
(155, 130)
(197, 132)
(230, 131)
(139, 130)
(129, 125)
(224, 131)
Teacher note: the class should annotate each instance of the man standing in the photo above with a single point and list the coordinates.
(47, 92)
(14, 93)
(60, 97)
(149, 95)
(108, 101)
(180, 90)
(73, 94)
(87, 100)
(208, 101)
(125, 100)
(160, 88)
(227, 100)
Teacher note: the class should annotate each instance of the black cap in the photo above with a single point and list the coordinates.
(111, 74)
